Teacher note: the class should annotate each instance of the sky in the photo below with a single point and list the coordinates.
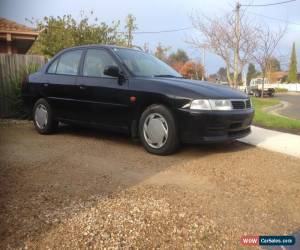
(157, 15)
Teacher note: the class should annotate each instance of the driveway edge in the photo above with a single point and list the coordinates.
(274, 140)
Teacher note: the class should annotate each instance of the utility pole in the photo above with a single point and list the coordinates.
(203, 62)
(237, 44)
(203, 47)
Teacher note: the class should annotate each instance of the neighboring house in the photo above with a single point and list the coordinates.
(15, 38)
(277, 76)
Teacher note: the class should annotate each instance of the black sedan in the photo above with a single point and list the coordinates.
(129, 90)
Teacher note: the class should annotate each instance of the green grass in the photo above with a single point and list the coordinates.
(269, 120)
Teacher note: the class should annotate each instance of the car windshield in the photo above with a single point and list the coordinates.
(143, 64)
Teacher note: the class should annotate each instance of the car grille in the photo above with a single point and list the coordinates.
(241, 104)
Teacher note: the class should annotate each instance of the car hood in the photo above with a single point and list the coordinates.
(204, 89)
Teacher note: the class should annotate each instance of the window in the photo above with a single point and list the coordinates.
(52, 68)
(95, 62)
(143, 64)
(69, 62)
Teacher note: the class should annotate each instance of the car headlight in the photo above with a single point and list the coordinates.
(204, 104)
(201, 104)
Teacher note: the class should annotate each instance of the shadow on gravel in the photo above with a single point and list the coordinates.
(226, 147)
(42, 178)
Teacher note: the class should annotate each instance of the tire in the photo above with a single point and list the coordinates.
(43, 118)
(164, 140)
(257, 94)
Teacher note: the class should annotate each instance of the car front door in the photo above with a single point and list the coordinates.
(106, 98)
(60, 85)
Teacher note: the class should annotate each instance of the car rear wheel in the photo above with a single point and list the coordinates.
(158, 130)
(43, 119)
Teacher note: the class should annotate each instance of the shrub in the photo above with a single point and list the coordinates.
(15, 80)
(280, 90)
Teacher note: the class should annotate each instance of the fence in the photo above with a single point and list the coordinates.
(289, 86)
(13, 69)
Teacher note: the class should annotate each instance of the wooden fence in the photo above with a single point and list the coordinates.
(13, 69)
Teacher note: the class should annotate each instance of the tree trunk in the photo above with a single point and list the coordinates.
(263, 84)
(237, 46)
(228, 75)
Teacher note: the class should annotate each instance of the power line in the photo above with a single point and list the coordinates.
(269, 4)
(163, 31)
(191, 27)
(136, 32)
(273, 18)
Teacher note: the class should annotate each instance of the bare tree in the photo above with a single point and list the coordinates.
(234, 46)
(267, 41)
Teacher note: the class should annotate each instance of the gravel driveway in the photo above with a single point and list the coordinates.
(82, 189)
(293, 110)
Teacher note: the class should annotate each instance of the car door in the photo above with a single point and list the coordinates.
(106, 98)
(60, 85)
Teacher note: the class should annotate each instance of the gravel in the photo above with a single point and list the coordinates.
(88, 189)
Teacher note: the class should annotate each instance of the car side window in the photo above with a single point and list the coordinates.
(52, 68)
(95, 62)
(69, 62)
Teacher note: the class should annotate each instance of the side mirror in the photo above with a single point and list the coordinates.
(111, 70)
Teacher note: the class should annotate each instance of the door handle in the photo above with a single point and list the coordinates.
(46, 84)
(82, 87)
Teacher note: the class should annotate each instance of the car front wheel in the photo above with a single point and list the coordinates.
(257, 94)
(43, 119)
(158, 130)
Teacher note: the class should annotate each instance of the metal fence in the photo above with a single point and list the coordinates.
(13, 69)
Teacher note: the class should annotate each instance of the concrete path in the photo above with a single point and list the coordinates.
(274, 141)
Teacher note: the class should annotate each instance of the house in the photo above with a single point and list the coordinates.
(15, 38)
(277, 76)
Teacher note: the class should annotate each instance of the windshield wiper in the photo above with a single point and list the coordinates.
(168, 76)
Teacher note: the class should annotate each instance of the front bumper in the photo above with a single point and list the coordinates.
(213, 126)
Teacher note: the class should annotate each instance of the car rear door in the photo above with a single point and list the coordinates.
(60, 85)
(106, 98)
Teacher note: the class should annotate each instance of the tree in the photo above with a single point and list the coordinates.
(221, 37)
(222, 75)
(180, 56)
(192, 70)
(252, 73)
(178, 59)
(57, 33)
(146, 47)
(177, 66)
(130, 28)
(267, 43)
(274, 64)
(161, 52)
(292, 75)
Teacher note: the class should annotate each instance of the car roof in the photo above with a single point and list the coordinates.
(100, 46)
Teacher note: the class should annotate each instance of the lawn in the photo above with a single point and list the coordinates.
(269, 120)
